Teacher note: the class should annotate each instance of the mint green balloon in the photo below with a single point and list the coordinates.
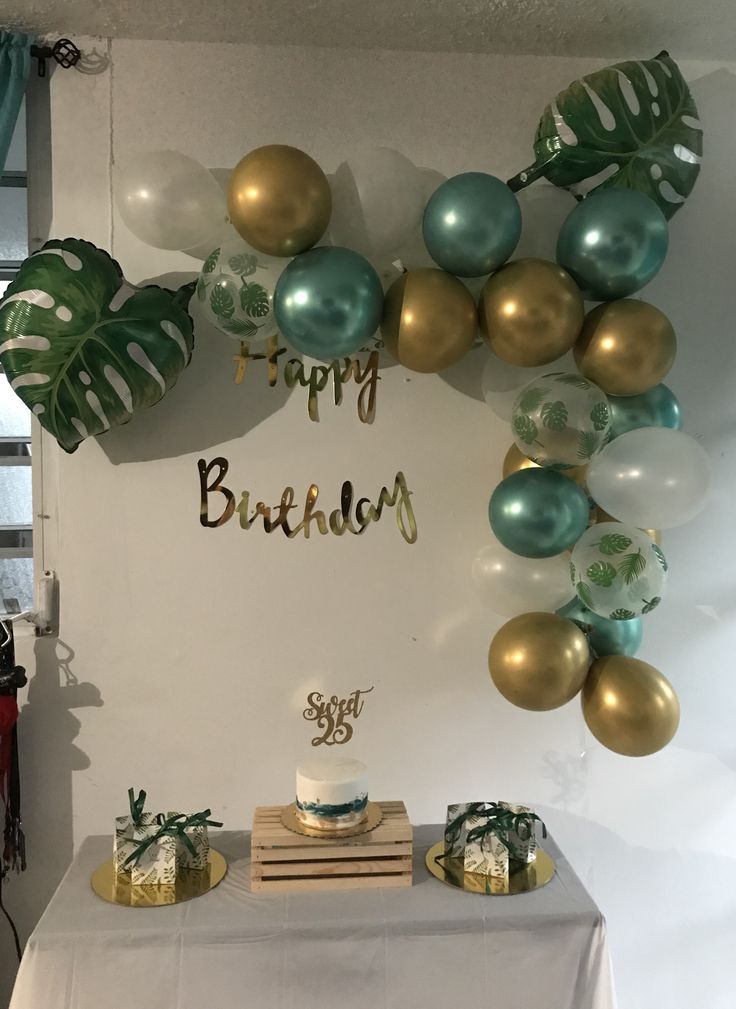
(328, 302)
(613, 243)
(606, 637)
(472, 224)
(657, 407)
(538, 512)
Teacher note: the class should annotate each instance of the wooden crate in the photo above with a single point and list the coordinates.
(282, 861)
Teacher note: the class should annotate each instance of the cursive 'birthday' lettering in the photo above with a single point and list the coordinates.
(352, 516)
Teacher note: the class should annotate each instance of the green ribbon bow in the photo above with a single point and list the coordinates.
(136, 806)
(172, 826)
(501, 822)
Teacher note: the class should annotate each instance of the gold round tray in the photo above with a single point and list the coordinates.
(190, 883)
(373, 816)
(451, 870)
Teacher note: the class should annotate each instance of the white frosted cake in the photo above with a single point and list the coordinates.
(331, 793)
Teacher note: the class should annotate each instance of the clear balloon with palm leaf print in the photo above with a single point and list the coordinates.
(235, 291)
(618, 571)
(560, 419)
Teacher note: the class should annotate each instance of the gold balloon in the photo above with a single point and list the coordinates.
(629, 706)
(539, 661)
(602, 516)
(515, 460)
(429, 320)
(531, 312)
(279, 200)
(626, 347)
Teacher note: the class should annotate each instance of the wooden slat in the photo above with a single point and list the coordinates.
(282, 860)
(360, 867)
(327, 854)
(334, 883)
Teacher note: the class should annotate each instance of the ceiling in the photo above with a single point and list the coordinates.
(705, 30)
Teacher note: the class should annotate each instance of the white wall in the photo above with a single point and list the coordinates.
(186, 654)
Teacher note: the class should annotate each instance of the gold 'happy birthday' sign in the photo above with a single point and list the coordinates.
(352, 516)
(332, 716)
(316, 378)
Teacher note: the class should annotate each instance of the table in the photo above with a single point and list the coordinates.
(424, 947)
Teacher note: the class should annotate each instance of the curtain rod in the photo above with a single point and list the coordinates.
(63, 51)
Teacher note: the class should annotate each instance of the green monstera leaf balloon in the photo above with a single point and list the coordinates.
(82, 347)
(632, 125)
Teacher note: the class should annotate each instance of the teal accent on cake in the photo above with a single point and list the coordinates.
(328, 811)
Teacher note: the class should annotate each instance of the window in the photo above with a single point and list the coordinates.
(16, 509)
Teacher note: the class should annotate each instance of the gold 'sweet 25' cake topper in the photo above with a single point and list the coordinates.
(333, 715)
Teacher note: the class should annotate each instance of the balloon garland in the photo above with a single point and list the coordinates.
(599, 463)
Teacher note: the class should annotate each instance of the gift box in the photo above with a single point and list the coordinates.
(195, 854)
(491, 837)
(521, 839)
(130, 830)
(154, 849)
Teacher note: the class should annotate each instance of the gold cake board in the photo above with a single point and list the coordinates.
(283, 860)
(452, 871)
(190, 883)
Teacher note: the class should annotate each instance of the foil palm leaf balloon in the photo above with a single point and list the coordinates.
(82, 347)
(632, 125)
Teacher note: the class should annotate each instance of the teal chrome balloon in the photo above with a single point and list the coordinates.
(538, 512)
(472, 224)
(657, 407)
(613, 243)
(606, 637)
(328, 302)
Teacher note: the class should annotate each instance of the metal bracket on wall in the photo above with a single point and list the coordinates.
(63, 51)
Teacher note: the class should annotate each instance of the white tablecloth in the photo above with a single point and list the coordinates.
(425, 947)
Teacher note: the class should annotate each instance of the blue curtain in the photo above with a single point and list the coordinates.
(15, 66)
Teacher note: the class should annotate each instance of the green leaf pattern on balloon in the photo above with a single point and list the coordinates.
(554, 415)
(585, 594)
(588, 444)
(633, 125)
(221, 302)
(245, 264)
(601, 573)
(82, 347)
(632, 566)
(650, 604)
(254, 300)
(599, 416)
(525, 428)
(211, 262)
(623, 614)
(243, 328)
(531, 399)
(202, 286)
(660, 556)
(572, 572)
(614, 543)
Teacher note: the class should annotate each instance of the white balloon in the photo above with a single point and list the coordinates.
(225, 233)
(169, 200)
(501, 382)
(653, 478)
(510, 585)
(377, 201)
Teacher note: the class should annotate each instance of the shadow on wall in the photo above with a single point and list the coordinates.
(49, 756)
(205, 407)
